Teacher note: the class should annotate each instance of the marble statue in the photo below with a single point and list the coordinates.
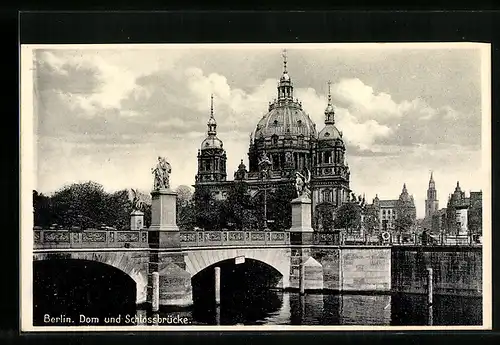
(137, 201)
(302, 184)
(161, 174)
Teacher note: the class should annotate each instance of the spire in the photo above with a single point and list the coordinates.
(329, 92)
(329, 112)
(404, 189)
(285, 86)
(457, 189)
(212, 105)
(212, 124)
(431, 182)
(284, 61)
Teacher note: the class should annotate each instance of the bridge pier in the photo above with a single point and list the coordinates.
(301, 237)
(166, 258)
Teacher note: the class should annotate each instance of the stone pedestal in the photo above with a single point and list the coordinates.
(301, 231)
(136, 220)
(301, 215)
(164, 232)
(163, 210)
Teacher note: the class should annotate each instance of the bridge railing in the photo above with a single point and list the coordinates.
(90, 239)
(233, 238)
(338, 238)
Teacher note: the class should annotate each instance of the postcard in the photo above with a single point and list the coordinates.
(255, 187)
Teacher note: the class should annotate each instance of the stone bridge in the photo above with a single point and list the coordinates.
(162, 261)
(130, 252)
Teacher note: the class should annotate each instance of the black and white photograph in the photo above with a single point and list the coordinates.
(256, 186)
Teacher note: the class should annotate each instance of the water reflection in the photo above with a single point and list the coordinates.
(284, 308)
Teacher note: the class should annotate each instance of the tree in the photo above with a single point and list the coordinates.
(208, 210)
(184, 194)
(475, 218)
(42, 210)
(279, 207)
(85, 205)
(371, 220)
(116, 209)
(348, 216)
(404, 221)
(186, 213)
(324, 217)
(239, 210)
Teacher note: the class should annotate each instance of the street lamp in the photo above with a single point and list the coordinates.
(264, 165)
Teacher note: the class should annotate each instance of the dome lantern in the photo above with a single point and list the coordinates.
(212, 124)
(285, 85)
(211, 141)
(329, 112)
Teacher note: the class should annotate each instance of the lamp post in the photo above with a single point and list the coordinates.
(265, 178)
(264, 165)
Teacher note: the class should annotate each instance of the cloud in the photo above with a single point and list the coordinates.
(106, 111)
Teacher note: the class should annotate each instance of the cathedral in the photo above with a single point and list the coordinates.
(285, 141)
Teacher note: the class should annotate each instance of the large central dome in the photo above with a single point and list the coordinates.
(283, 119)
(285, 115)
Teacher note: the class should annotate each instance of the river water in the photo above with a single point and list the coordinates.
(108, 298)
(288, 308)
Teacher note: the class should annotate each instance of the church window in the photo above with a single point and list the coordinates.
(301, 139)
(328, 157)
(327, 196)
(275, 122)
(274, 139)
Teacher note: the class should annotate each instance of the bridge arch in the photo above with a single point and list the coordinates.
(135, 265)
(277, 258)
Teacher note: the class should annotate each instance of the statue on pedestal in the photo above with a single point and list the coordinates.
(302, 184)
(137, 201)
(161, 174)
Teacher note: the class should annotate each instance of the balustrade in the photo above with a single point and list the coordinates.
(233, 238)
(90, 239)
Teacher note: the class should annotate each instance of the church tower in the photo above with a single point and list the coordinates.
(431, 203)
(330, 175)
(211, 155)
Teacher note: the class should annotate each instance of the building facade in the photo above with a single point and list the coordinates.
(464, 214)
(288, 140)
(390, 212)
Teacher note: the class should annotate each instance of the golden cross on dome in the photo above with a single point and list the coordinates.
(284, 60)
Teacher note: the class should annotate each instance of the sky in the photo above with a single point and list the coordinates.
(104, 113)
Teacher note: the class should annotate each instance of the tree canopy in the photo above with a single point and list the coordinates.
(348, 216)
(85, 205)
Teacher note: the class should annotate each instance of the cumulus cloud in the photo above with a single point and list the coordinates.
(105, 111)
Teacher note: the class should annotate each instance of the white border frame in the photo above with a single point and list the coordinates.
(28, 176)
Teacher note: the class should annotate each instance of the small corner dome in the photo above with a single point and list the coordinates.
(212, 143)
(330, 132)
